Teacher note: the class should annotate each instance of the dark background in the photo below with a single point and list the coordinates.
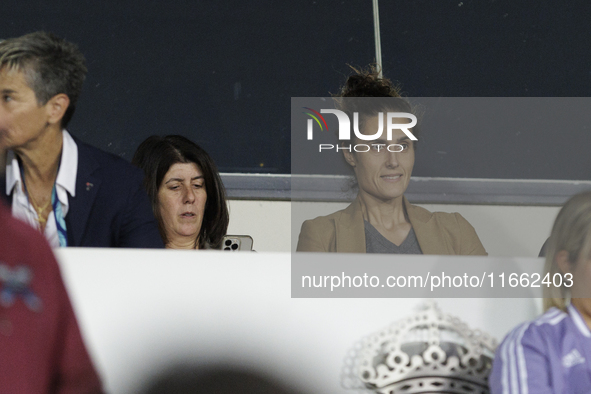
(469, 137)
(222, 72)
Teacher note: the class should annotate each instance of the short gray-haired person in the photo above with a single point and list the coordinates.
(73, 193)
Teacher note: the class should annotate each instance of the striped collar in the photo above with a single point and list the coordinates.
(578, 320)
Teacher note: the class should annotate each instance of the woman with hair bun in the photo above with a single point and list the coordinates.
(552, 354)
(381, 220)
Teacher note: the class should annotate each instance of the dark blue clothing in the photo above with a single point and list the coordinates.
(111, 207)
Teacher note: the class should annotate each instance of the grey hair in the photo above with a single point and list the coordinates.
(50, 65)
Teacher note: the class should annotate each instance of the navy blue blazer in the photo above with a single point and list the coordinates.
(111, 207)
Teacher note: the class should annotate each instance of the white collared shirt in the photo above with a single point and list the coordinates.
(65, 183)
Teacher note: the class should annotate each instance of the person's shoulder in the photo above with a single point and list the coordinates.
(547, 328)
(103, 157)
(525, 352)
(104, 161)
(453, 227)
(445, 219)
(318, 234)
(319, 225)
(327, 220)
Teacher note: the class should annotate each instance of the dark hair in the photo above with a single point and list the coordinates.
(50, 64)
(157, 154)
(367, 83)
(185, 379)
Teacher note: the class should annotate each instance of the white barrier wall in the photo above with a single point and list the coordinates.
(141, 310)
(503, 230)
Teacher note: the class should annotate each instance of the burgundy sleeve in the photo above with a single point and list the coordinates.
(74, 372)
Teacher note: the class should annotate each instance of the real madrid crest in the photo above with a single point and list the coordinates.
(429, 352)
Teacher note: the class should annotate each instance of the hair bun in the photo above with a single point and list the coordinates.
(368, 83)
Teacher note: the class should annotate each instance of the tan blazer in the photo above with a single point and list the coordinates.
(344, 232)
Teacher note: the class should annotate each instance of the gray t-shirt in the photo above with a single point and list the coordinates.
(377, 243)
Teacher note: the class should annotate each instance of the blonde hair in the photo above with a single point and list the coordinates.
(572, 233)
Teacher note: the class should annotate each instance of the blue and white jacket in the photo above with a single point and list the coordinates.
(551, 354)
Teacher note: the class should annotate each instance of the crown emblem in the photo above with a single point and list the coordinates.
(429, 352)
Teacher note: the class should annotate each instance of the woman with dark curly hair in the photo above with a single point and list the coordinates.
(381, 220)
(187, 193)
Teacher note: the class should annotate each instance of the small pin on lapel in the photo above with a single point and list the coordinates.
(88, 186)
